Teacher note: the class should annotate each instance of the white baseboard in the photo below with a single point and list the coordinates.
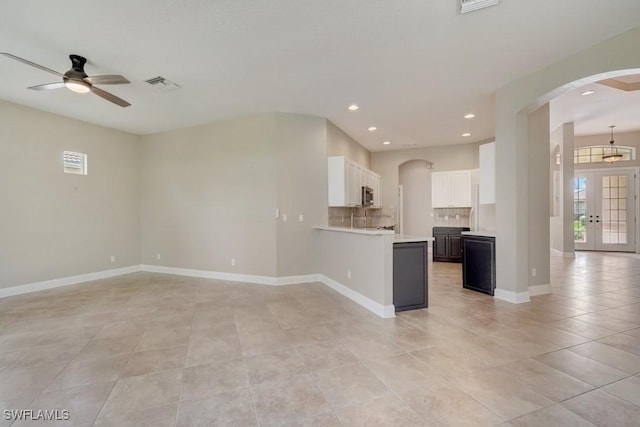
(65, 281)
(556, 252)
(514, 297)
(369, 304)
(234, 277)
(384, 311)
(536, 290)
(376, 308)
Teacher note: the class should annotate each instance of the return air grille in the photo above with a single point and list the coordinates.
(75, 163)
(162, 84)
(467, 6)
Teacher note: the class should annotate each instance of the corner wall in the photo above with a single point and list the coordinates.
(301, 188)
(209, 196)
(444, 158)
(616, 56)
(341, 144)
(55, 225)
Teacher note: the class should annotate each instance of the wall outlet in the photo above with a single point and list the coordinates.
(348, 274)
(277, 213)
(233, 261)
(158, 256)
(113, 258)
(300, 217)
(284, 217)
(533, 272)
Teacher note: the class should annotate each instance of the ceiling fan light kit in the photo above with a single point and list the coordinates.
(77, 86)
(77, 80)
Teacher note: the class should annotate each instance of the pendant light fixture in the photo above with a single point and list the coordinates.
(610, 154)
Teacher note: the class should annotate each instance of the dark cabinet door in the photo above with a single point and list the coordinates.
(410, 275)
(440, 247)
(479, 264)
(455, 247)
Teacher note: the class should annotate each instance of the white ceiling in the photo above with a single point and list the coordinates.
(415, 67)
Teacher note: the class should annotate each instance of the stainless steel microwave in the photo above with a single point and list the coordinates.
(367, 196)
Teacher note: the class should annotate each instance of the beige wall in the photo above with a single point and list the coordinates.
(415, 178)
(301, 187)
(55, 225)
(538, 195)
(341, 144)
(561, 222)
(513, 103)
(444, 158)
(209, 195)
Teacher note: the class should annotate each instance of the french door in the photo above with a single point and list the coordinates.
(604, 210)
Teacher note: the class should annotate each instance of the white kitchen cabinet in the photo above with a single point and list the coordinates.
(346, 179)
(487, 154)
(451, 189)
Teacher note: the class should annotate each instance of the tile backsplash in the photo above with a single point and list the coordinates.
(375, 217)
(451, 217)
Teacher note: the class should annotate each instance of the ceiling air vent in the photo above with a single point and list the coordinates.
(162, 84)
(467, 6)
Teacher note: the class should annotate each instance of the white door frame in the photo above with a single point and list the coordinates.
(635, 199)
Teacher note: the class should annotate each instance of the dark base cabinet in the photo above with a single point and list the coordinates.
(479, 263)
(410, 275)
(447, 243)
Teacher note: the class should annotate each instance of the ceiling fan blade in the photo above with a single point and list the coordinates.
(109, 97)
(33, 64)
(107, 80)
(48, 86)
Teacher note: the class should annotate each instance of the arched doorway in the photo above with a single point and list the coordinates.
(414, 204)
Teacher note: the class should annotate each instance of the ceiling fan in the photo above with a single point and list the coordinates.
(77, 80)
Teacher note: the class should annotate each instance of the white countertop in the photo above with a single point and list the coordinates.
(369, 231)
(483, 233)
(397, 238)
(408, 238)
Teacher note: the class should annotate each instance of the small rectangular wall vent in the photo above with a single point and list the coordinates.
(162, 84)
(75, 163)
(467, 6)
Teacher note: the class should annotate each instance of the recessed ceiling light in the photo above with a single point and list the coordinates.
(353, 107)
(372, 128)
(386, 143)
(469, 116)
(588, 92)
(466, 134)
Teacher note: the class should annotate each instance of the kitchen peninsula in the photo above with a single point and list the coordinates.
(359, 263)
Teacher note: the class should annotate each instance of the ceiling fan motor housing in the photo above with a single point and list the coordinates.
(77, 68)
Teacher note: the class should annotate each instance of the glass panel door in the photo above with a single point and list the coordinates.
(604, 210)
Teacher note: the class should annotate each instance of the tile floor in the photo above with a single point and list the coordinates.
(158, 350)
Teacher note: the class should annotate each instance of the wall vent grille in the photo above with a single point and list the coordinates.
(467, 6)
(162, 84)
(75, 163)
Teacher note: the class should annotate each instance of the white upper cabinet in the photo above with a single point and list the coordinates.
(487, 173)
(451, 189)
(346, 179)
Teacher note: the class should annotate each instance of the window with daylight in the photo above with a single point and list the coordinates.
(594, 154)
(75, 163)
